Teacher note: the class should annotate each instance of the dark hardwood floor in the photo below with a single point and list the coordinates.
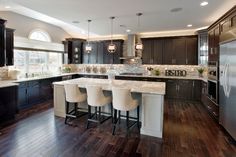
(188, 132)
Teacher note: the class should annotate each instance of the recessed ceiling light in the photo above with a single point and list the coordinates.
(189, 25)
(7, 7)
(204, 3)
(75, 22)
(174, 10)
(128, 30)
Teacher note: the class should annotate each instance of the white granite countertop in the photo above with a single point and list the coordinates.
(135, 86)
(4, 84)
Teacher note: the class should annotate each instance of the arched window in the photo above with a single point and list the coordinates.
(40, 35)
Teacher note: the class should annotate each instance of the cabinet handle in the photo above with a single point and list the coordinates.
(216, 50)
(193, 83)
(186, 61)
(211, 52)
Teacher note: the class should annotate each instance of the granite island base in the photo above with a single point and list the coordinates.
(150, 94)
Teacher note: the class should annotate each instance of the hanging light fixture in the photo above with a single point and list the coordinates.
(111, 47)
(139, 45)
(88, 47)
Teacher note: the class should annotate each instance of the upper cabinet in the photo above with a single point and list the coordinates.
(224, 24)
(100, 55)
(6, 44)
(9, 46)
(170, 50)
(74, 49)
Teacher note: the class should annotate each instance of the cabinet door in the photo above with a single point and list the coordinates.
(33, 93)
(192, 51)
(185, 89)
(147, 57)
(2, 42)
(118, 53)
(210, 45)
(22, 96)
(77, 49)
(168, 51)
(68, 50)
(157, 51)
(216, 43)
(197, 87)
(93, 53)
(179, 56)
(107, 56)
(100, 52)
(8, 103)
(46, 90)
(233, 20)
(9, 46)
(86, 56)
(171, 89)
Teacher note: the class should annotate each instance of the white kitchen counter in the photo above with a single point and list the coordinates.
(150, 94)
(4, 84)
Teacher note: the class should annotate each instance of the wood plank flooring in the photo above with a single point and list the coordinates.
(188, 132)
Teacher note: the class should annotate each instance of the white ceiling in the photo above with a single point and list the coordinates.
(156, 13)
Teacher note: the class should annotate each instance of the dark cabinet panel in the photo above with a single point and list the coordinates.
(185, 89)
(192, 51)
(107, 57)
(168, 50)
(179, 55)
(46, 90)
(33, 92)
(119, 52)
(100, 50)
(171, 89)
(147, 57)
(171, 50)
(9, 46)
(213, 39)
(157, 51)
(22, 96)
(74, 50)
(2, 42)
(8, 103)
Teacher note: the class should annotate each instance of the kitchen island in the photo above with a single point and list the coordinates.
(150, 95)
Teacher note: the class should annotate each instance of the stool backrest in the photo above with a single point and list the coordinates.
(72, 92)
(95, 95)
(122, 98)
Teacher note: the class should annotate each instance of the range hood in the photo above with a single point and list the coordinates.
(129, 49)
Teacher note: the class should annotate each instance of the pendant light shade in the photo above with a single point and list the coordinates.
(139, 45)
(111, 47)
(88, 47)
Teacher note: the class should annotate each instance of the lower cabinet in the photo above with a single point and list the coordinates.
(8, 103)
(183, 89)
(212, 108)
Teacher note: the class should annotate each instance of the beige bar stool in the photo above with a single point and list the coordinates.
(97, 99)
(73, 96)
(123, 101)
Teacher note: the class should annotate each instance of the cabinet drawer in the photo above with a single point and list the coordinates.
(22, 85)
(33, 83)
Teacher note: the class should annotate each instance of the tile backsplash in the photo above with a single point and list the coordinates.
(136, 68)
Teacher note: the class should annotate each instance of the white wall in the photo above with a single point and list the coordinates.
(24, 25)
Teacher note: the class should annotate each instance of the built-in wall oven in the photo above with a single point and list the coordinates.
(213, 81)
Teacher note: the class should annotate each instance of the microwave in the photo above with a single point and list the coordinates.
(213, 71)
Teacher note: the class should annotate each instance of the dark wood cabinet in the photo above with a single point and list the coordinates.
(2, 42)
(147, 51)
(33, 92)
(9, 46)
(8, 103)
(170, 50)
(183, 89)
(213, 39)
(74, 50)
(100, 55)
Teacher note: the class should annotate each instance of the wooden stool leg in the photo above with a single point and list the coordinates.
(99, 114)
(112, 119)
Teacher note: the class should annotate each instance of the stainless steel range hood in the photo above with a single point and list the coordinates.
(130, 52)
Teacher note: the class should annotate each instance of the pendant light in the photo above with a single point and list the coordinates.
(88, 47)
(111, 47)
(139, 45)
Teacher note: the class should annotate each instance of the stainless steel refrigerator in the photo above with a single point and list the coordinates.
(227, 88)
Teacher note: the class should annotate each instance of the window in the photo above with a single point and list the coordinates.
(35, 62)
(40, 35)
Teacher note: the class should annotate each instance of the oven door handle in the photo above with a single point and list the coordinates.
(224, 80)
(228, 89)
